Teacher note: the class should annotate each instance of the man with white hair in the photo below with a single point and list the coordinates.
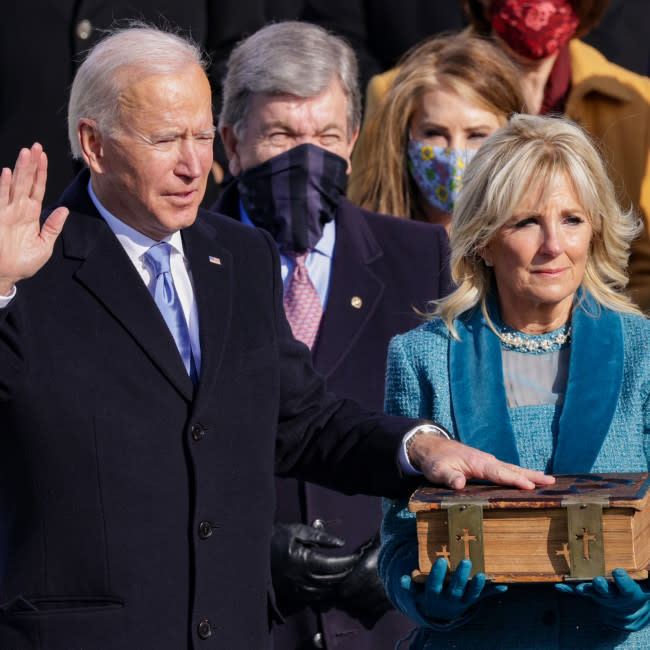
(150, 386)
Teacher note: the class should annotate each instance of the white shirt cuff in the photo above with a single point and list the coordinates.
(5, 300)
(404, 463)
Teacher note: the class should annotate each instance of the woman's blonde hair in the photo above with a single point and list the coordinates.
(527, 155)
(472, 67)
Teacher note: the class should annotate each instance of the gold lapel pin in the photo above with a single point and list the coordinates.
(356, 302)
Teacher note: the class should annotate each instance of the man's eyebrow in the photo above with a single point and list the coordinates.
(278, 124)
(175, 133)
(331, 126)
(210, 131)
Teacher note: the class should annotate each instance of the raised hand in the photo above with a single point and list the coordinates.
(450, 463)
(445, 606)
(25, 246)
(624, 603)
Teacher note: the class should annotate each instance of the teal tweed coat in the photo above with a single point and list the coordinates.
(602, 426)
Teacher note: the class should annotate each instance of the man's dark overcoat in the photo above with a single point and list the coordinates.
(137, 512)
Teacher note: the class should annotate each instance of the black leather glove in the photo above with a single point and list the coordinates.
(302, 574)
(362, 594)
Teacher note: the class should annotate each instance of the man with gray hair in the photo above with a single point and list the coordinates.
(289, 122)
(150, 386)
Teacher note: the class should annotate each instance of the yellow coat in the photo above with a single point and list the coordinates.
(613, 105)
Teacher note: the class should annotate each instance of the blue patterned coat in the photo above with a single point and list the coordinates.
(602, 426)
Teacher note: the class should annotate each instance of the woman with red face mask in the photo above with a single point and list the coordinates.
(541, 36)
(562, 75)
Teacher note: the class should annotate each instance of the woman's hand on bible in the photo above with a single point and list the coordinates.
(624, 603)
(447, 606)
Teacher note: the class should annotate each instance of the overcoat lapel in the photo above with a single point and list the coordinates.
(354, 294)
(108, 274)
(211, 266)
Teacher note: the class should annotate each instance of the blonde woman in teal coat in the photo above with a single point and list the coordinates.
(540, 358)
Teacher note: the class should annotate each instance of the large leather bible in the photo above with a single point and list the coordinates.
(583, 526)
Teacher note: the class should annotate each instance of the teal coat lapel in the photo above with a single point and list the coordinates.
(593, 387)
(478, 395)
(479, 401)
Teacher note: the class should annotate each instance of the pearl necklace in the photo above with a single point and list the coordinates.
(535, 343)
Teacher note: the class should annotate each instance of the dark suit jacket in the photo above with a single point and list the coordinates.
(392, 265)
(136, 513)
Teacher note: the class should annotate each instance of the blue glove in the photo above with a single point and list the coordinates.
(445, 607)
(624, 603)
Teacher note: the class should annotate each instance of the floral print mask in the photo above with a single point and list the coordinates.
(534, 28)
(438, 172)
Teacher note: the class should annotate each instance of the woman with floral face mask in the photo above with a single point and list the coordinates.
(450, 94)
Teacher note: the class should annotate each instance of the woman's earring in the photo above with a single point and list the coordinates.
(482, 254)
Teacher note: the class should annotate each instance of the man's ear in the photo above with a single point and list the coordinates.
(91, 143)
(231, 145)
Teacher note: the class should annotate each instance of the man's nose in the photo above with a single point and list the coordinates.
(307, 138)
(189, 161)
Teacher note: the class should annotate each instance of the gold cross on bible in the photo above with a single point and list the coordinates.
(444, 553)
(586, 538)
(565, 553)
(466, 538)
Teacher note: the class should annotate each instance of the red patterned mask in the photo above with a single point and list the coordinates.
(534, 28)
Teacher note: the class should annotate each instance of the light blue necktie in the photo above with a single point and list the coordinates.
(169, 304)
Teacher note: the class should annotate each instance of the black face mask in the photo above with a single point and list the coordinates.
(293, 195)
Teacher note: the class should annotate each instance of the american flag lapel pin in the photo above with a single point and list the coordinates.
(214, 260)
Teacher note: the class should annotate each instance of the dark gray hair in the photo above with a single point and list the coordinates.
(124, 56)
(292, 58)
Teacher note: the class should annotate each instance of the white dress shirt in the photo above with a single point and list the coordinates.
(5, 300)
